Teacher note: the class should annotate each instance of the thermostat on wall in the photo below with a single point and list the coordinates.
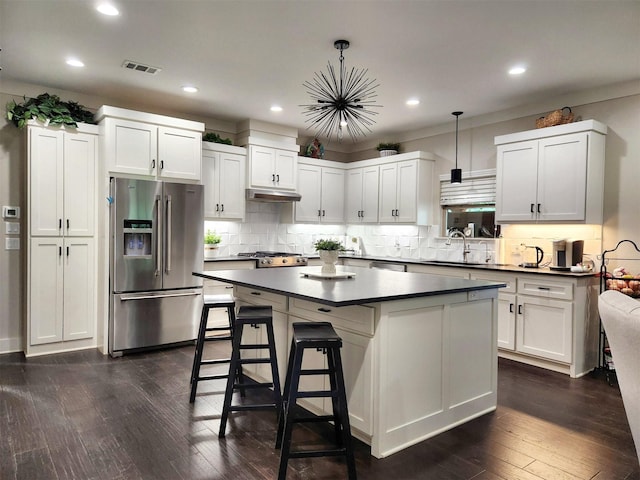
(10, 212)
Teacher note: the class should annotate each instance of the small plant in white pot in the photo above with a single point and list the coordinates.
(211, 242)
(328, 250)
(387, 149)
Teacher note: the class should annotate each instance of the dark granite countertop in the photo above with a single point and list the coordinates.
(368, 286)
(436, 263)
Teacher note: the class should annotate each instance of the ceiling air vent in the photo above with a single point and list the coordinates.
(140, 67)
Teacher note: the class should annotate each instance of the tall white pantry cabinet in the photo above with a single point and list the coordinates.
(61, 259)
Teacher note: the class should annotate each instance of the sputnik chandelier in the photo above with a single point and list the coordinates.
(342, 101)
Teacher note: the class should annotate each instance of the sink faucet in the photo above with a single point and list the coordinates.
(465, 247)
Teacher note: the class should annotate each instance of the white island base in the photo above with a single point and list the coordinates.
(413, 368)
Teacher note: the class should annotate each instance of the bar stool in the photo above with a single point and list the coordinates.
(254, 316)
(320, 336)
(211, 301)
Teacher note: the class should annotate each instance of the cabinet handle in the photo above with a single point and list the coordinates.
(324, 310)
(277, 178)
(217, 207)
(532, 208)
(153, 163)
(273, 177)
(393, 213)
(59, 224)
(519, 309)
(255, 325)
(511, 308)
(397, 213)
(67, 224)
(319, 213)
(538, 208)
(256, 293)
(323, 213)
(59, 251)
(544, 288)
(222, 207)
(67, 251)
(161, 164)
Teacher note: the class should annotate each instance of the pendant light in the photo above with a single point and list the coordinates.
(456, 173)
(342, 100)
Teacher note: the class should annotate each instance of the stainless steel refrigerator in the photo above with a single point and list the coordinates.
(156, 236)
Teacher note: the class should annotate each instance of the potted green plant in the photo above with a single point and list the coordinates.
(48, 109)
(328, 250)
(215, 138)
(211, 242)
(387, 149)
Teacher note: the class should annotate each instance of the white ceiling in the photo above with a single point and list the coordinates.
(246, 55)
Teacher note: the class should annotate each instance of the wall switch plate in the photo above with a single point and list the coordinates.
(10, 212)
(12, 244)
(12, 228)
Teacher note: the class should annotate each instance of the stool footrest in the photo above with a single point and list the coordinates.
(313, 419)
(316, 394)
(254, 346)
(334, 452)
(242, 386)
(257, 406)
(218, 338)
(319, 371)
(213, 377)
(244, 361)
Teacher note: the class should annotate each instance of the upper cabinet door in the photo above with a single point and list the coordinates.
(308, 209)
(79, 184)
(353, 195)
(562, 177)
(285, 169)
(46, 171)
(388, 192)
(370, 178)
(407, 191)
(332, 195)
(179, 154)
(262, 166)
(231, 185)
(517, 180)
(131, 147)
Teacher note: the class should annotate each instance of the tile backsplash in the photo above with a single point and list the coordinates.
(267, 227)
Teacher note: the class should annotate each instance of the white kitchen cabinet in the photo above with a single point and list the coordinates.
(150, 146)
(547, 321)
(551, 175)
(223, 177)
(271, 167)
(62, 182)
(406, 192)
(61, 289)
(361, 197)
(60, 241)
(322, 190)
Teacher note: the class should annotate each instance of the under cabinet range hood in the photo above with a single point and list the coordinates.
(274, 196)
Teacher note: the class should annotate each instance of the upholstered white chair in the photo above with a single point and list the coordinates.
(620, 316)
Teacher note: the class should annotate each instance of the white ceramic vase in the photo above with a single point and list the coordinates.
(210, 250)
(329, 259)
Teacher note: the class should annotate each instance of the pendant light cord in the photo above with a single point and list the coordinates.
(457, 117)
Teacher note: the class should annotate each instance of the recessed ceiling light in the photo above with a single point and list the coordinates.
(74, 62)
(412, 102)
(108, 9)
(189, 89)
(517, 70)
(276, 108)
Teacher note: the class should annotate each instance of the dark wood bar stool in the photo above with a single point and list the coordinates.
(251, 315)
(319, 336)
(211, 301)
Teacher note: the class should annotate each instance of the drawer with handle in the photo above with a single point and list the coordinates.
(545, 288)
(260, 297)
(354, 318)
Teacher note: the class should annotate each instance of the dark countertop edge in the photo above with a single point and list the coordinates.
(363, 301)
(489, 267)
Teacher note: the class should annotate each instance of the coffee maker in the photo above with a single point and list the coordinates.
(566, 253)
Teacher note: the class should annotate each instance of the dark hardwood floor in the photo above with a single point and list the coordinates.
(83, 415)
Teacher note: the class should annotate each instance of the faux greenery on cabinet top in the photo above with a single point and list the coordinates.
(48, 109)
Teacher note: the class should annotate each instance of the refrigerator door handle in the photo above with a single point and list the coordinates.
(151, 296)
(158, 229)
(168, 228)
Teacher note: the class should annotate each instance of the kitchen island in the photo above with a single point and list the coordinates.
(419, 351)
